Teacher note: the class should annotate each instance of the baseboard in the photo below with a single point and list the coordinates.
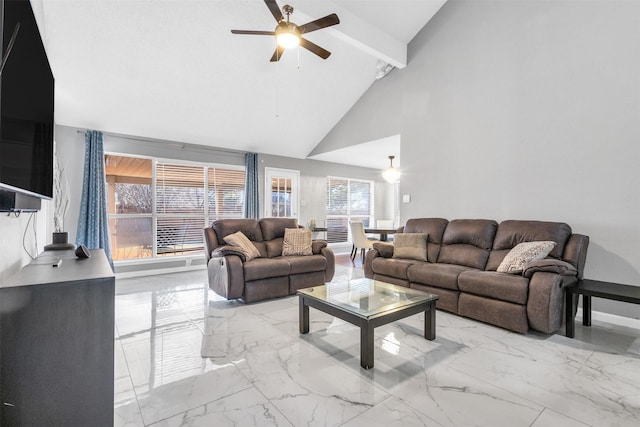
(157, 271)
(611, 318)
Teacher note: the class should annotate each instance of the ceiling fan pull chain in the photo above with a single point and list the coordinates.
(277, 87)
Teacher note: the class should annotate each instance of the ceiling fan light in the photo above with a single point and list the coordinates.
(288, 40)
(287, 35)
(391, 174)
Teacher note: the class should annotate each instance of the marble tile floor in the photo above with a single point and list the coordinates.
(186, 357)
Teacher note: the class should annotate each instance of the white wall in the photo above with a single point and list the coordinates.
(18, 238)
(522, 110)
(313, 185)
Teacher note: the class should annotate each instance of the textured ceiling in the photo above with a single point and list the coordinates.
(172, 70)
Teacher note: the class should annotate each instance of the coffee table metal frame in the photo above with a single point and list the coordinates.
(368, 323)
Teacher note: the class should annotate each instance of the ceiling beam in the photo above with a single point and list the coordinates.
(357, 32)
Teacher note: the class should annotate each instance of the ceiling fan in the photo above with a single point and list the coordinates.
(289, 34)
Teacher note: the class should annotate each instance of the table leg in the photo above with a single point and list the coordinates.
(571, 301)
(304, 316)
(586, 310)
(366, 346)
(430, 323)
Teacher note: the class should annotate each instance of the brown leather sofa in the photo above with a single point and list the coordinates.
(462, 258)
(269, 276)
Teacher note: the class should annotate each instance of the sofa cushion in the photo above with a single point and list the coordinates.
(434, 227)
(505, 287)
(467, 242)
(512, 232)
(297, 241)
(273, 228)
(244, 245)
(307, 263)
(438, 275)
(249, 228)
(515, 261)
(274, 247)
(410, 246)
(264, 268)
(392, 267)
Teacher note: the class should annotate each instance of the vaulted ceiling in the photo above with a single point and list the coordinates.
(172, 70)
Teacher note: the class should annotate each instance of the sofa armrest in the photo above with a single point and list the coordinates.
(222, 251)
(327, 252)
(317, 245)
(368, 262)
(385, 249)
(226, 276)
(575, 252)
(210, 241)
(545, 302)
(550, 265)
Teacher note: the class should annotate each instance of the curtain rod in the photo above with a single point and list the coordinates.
(181, 145)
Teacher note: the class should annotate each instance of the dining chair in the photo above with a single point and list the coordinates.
(359, 239)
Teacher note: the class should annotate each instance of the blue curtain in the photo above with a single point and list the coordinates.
(251, 191)
(93, 225)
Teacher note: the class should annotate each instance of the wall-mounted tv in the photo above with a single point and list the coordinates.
(27, 95)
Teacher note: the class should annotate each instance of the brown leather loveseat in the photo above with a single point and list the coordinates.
(462, 259)
(270, 275)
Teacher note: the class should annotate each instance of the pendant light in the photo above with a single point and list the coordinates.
(391, 174)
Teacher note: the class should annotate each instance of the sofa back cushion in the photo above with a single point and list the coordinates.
(468, 242)
(273, 228)
(512, 232)
(249, 228)
(434, 228)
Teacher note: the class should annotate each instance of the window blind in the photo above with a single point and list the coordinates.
(347, 200)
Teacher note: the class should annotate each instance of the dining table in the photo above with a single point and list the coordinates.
(382, 232)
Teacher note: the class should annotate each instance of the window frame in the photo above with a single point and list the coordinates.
(349, 216)
(154, 215)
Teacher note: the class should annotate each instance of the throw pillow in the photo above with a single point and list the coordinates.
(522, 254)
(410, 246)
(297, 241)
(244, 245)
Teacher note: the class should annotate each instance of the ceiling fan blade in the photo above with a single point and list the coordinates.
(275, 9)
(312, 47)
(318, 24)
(277, 54)
(254, 33)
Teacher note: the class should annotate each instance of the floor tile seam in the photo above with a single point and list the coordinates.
(133, 387)
(195, 407)
(528, 399)
(369, 409)
(415, 409)
(546, 408)
(269, 400)
(501, 388)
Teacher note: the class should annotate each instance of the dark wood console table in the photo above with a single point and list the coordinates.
(57, 342)
(594, 288)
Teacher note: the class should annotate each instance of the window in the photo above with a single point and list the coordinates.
(281, 192)
(347, 200)
(161, 210)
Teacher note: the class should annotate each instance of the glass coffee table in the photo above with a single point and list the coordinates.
(368, 304)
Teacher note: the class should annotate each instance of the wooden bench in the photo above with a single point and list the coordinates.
(594, 288)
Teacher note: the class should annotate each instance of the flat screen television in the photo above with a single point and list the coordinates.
(27, 94)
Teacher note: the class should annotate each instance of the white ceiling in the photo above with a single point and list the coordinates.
(171, 69)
